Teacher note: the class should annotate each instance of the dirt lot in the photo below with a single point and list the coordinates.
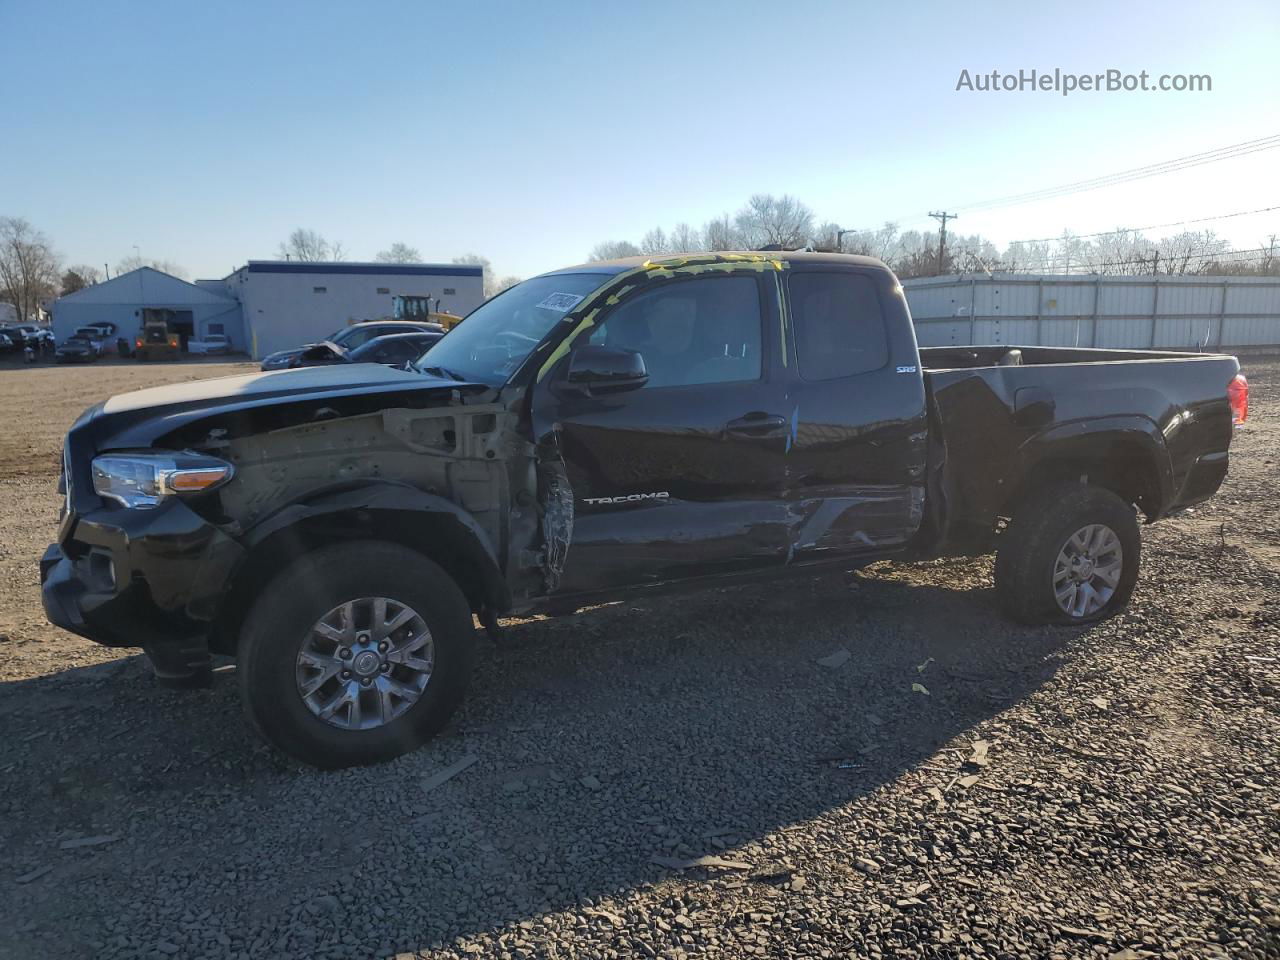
(1128, 805)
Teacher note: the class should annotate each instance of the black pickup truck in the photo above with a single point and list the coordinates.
(594, 433)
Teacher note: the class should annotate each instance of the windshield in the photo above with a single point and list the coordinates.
(342, 336)
(395, 348)
(496, 337)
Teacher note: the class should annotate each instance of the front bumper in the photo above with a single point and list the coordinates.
(140, 578)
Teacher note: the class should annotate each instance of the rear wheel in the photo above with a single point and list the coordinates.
(1069, 555)
(355, 654)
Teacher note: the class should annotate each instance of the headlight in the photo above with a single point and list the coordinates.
(144, 479)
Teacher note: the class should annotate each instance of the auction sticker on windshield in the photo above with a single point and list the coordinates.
(560, 302)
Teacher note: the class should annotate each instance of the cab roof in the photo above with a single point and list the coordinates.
(609, 267)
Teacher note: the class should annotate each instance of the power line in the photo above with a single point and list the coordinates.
(1150, 226)
(1229, 152)
(1136, 173)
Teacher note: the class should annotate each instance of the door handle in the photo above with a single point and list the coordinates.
(756, 426)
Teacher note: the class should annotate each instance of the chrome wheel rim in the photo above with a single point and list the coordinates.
(365, 663)
(1087, 571)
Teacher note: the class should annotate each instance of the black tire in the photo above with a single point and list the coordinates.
(1039, 529)
(281, 618)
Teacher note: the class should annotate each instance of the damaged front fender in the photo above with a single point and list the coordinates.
(384, 510)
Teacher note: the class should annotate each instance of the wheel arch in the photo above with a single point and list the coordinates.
(396, 513)
(1126, 455)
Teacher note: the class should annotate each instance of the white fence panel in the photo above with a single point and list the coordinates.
(1166, 312)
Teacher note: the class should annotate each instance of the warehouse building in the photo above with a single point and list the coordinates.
(286, 303)
(132, 298)
(268, 305)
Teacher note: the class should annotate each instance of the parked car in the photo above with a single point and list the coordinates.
(212, 343)
(22, 335)
(396, 350)
(33, 335)
(94, 335)
(77, 349)
(590, 434)
(350, 337)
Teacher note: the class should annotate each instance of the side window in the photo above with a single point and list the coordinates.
(704, 330)
(361, 337)
(839, 329)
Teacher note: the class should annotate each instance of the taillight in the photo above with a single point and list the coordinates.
(138, 342)
(1238, 397)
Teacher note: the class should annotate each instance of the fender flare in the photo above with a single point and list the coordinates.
(1081, 439)
(353, 505)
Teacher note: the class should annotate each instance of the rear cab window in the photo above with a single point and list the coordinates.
(837, 324)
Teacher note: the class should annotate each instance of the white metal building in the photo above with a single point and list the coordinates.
(130, 298)
(288, 303)
(1147, 312)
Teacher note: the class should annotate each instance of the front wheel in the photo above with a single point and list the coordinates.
(354, 654)
(1070, 555)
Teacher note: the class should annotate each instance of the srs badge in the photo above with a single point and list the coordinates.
(628, 498)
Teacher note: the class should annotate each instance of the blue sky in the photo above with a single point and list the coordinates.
(204, 132)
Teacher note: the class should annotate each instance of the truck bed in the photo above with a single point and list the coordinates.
(956, 358)
(1158, 424)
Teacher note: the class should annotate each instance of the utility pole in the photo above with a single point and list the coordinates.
(840, 239)
(942, 237)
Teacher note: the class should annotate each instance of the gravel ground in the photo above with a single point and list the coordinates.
(1103, 792)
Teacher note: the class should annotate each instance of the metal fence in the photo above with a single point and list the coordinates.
(1172, 313)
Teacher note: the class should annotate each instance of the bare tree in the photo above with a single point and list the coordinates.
(28, 267)
(78, 277)
(309, 246)
(1189, 251)
(613, 250)
(399, 253)
(134, 261)
(882, 243)
(767, 220)
(1261, 262)
(1027, 256)
(474, 260)
(917, 255)
(720, 234)
(685, 239)
(486, 269)
(655, 241)
(826, 237)
(493, 285)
